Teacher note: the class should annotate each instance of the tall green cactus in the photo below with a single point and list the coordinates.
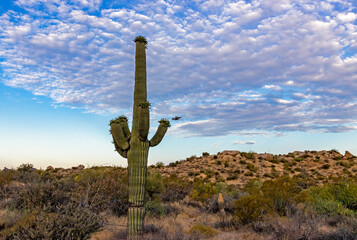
(135, 145)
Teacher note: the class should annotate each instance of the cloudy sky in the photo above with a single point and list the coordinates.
(262, 75)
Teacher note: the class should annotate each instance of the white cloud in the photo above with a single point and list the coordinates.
(245, 143)
(347, 17)
(284, 101)
(211, 61)
(273, 87)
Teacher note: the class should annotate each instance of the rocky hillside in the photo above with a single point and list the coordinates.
(235, 167)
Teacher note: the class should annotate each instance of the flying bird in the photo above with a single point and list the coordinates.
(176, 118)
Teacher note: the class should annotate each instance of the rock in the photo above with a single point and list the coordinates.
(348, 155)
(267, 156)
(298, 153)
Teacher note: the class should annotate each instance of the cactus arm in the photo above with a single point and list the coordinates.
(118, 136)
(160, 133)
(122, 153)
(125, 127)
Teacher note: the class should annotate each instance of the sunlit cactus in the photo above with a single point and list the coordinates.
(135, 145)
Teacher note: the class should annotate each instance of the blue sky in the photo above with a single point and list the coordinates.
(262, 75)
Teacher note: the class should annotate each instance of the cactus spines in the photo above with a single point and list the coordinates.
(135, 145)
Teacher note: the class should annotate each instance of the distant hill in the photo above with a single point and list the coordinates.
(235, 167)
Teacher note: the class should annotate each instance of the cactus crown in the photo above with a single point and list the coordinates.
(165, 122)
(119, 119)
(144, 104)
(141, 39)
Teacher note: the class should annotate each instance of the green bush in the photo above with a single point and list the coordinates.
(325, 166)
(5, 177)
(203, 191)
(252, 167)
(281, 193)
(205, 154)
(26, 167)
(346, 193)
(249, 209)
(154, 184)
(248, 155)
(339, 198)
(154, 208)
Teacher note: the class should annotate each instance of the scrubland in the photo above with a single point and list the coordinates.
(300, 195)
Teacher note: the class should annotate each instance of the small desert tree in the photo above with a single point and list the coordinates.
(135, 145)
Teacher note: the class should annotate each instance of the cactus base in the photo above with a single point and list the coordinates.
(135, 222)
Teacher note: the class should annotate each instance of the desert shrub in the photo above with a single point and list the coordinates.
(36, 195)
(242, 162)
(6, 176)
(191, 174)
(232, 177)
(304, 180)
(252, 167)
(345, 164)
(174, 164)
(152, 232)
(203, 230)
(281, 193)
(159, 164)
(26, 176)
(248, 155)
(331, 200)
(154, 208)
(70, 221)
(345, 192)
(325, 166)
(26, 167)
(275, 159)
(104, 189)
(205, 154)
(301, 225)
(253, 186)
(175, 188)
(209, 173)
(202, 191)
(191, 158)
(154, 184)
(249, 209)
(341, 233)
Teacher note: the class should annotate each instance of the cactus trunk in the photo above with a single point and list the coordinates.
(137, 168)
(134, 145)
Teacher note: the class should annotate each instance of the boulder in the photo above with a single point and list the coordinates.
(348, 155)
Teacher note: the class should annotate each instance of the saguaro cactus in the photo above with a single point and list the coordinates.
(135, 145)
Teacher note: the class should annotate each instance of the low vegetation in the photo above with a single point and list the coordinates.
(92, 203)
